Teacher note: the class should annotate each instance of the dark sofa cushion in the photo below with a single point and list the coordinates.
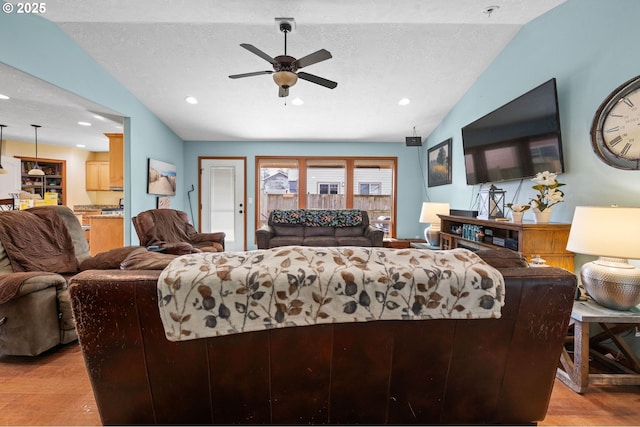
(320, 241)
(108, 259)
(318, 231)
(355, 231)
(288, 230)
(285, 241)
(142, 259)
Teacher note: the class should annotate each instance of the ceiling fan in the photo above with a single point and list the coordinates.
(285, 67)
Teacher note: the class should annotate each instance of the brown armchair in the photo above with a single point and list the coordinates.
(167, 227)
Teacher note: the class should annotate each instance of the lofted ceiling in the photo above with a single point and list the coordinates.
(429, 51)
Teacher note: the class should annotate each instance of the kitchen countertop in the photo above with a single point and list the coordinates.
(93, 207)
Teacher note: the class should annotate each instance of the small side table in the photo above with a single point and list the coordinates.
(395, 243)
(574, 372)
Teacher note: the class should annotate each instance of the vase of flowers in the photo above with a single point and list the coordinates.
(517, 211)
(546, 184)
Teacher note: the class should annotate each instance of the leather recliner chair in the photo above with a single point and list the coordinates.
(40, 249)
(167, 227)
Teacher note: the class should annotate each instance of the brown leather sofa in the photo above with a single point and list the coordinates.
(489, 371)
(318, 227)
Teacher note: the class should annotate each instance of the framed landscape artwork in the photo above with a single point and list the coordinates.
(162, 178)
(439, 164)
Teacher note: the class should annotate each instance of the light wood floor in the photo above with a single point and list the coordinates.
(53, 389)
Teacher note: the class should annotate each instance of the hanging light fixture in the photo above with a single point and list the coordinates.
(2, 170)
(285, 79)
(36, 169)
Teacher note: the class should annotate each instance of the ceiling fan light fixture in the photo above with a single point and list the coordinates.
(285, 79)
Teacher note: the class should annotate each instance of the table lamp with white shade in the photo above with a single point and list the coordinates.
(612, 234)
(429, 215)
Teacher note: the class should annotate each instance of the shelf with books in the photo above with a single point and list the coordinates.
(53, 180)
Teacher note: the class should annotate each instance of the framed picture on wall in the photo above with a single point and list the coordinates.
(439, 164)
(161, 178)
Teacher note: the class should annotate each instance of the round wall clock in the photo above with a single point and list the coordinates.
(615, 132)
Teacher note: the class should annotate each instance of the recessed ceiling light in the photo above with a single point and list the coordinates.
(191, 100)
(99, 117)
(80, 145)
(297, 101)
(404, 101)
(3, 96)
(84, 123)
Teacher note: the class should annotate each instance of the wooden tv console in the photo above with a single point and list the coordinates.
(549, 241)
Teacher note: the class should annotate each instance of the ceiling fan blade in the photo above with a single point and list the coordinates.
(261, 54)
(305, 61)
(283, 92)
(317, 80)
(255, 73)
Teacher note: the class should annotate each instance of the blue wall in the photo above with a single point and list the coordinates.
(410, 176)
(590, 47)
(39, 48)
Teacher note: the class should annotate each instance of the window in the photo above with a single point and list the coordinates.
(328, 183)
(325, 183)
(367, 188)
(324, 188)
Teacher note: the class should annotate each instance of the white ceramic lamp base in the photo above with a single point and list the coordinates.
(432, 235)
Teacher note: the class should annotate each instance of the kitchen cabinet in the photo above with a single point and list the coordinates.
(116, 161)
(105, 232)
(97, 175)
(83, 217)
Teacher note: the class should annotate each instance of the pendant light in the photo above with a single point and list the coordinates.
(36, 169)
(2, 170)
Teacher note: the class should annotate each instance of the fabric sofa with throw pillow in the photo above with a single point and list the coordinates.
(318, 227)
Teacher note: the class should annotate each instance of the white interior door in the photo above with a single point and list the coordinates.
(223, 200)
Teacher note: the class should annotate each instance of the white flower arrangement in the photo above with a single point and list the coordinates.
(516, 207)
(548, 194)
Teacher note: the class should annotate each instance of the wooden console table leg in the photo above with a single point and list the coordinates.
(575, 373)
(581, 357)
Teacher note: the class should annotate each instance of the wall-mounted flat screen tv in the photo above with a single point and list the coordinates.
(517, 140)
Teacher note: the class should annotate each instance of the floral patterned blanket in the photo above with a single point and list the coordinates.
(317, 217)
(212, 294)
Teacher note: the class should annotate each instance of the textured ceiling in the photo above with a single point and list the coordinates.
(428, 51)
